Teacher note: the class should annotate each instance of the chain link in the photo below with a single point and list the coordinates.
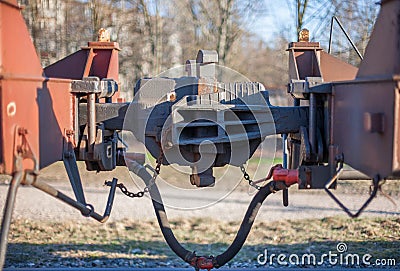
(140, 194)
(156, 172)
(124, 190)
(246, 176)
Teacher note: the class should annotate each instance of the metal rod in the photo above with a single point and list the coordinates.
(294, 150)
(332, 148)
(375, 185)
(330, 36)
(10, 4)
(347, 36)
(313, 123)
(73, 175)
(91, 120)
(86, 210)
(7, 215)
(285, 193)
(284, 151)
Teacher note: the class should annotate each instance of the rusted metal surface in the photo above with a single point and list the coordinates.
(307, 59)
(28, 99)
(366, 112)
(40, 100)
(303, 60)
(333, 69)
(382, 55)
(56, 114)
(369, 151)
(51, 114)
(99, 59)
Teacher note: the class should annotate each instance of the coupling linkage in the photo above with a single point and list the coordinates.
(202, 262)
(280, 174)
(282, 179)
(86, 209)
(125, 191)
(147, 188)
(246, 176)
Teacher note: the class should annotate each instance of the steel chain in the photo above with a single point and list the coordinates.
(246, 176)
(140, 194)
(124, 190)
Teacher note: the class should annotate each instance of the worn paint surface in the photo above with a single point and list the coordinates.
(29, 100)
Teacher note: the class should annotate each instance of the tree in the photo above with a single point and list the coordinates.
(357, 17)
(216, 24)
(301, 9)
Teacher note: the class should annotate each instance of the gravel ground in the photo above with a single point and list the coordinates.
(131, 243)
(48, 233)
(227, 201)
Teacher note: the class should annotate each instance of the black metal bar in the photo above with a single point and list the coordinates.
(362, 208)
(11, 4)
(289, 119)
(111, 114)
(284, 151)
(285, 192)
(375, 183)
(330, 36)
(7, 215)
(91, 120)
(312, 133)
(73, 175)
(86, 210)
(347, 36)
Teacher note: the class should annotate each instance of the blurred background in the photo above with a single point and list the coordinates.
(250, 35)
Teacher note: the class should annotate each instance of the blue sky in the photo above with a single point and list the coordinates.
(277, 18)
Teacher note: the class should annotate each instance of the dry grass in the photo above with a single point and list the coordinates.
(68, 243)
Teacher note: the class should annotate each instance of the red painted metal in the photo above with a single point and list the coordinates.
(28, 98)
(38, 100)
(307, 59)
(280, 174)
(98, 59)
(203, 263)
(288, 176)
(333, 69)
(370, 105)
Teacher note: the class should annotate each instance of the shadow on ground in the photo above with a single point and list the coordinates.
(157, 254)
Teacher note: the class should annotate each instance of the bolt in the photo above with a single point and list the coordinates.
(22, 131)
(168, 145)
(171, 97)
(69, 132)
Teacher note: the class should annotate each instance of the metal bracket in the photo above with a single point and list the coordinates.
(334, 18)
(71, 166)
(86, 209)
(375, 183)
(23, 150)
